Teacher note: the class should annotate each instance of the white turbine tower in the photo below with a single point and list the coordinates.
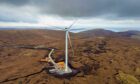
(67, 36)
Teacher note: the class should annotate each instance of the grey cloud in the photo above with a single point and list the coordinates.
(15, 2)
(14, 18)
(17, 15)
(83, 8)
(86, 8)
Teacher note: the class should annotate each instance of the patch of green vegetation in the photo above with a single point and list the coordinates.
(19, 82)
(126, 78)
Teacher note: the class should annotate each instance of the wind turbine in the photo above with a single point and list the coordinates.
(67, 70)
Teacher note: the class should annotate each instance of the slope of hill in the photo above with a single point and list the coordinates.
(132, 34)
(109, 33)
(29, 36)
(97, 32)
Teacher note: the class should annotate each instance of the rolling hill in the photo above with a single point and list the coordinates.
(105, 60)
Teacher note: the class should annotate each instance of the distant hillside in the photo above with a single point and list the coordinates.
(132, 34)
(39, 34)
(97, 33)
(109, 33)
(30, 36)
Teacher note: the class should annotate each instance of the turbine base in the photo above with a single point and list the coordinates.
(62, 73)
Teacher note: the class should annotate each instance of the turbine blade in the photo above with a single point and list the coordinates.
(72, 24)
(78, 29)
(55, 27)
(70, 42)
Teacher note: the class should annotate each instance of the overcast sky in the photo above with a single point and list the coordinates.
(118, 15)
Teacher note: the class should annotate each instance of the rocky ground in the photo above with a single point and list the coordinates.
(99, 60)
